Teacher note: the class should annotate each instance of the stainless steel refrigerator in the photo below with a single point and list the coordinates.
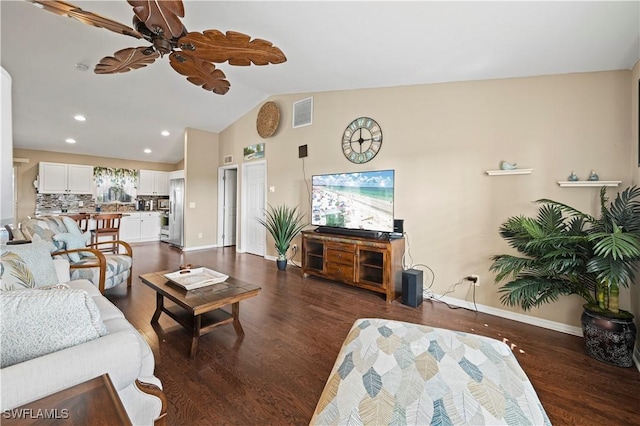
(176, 212)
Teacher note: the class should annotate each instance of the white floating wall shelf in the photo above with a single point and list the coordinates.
(589, 183)
(509, 172)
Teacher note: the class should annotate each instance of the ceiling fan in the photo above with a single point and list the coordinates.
(190, 53)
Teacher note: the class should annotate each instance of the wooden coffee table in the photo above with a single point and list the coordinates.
(200, 310)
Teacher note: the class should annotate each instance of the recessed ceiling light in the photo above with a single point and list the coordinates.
(70, 140)
(80, 117)
(147, 151)
(38, 5)
(165, 133)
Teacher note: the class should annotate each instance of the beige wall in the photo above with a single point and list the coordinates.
(440, 139)
(635, 167)
(201, 188)
(27, 172)
(635, 117)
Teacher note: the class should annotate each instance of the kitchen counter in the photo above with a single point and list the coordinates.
(43, 213)
(135, 226)
(61, 213)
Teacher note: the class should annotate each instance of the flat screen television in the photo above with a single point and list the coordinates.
(353, 201)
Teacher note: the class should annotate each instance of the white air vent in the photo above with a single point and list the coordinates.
(228, 159)
(302, 113)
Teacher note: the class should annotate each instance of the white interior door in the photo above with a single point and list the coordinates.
(228, 202)
(254, 180)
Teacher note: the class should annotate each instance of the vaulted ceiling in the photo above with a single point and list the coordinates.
(330, 45)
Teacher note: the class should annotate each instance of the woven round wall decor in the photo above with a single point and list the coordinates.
(268, 119)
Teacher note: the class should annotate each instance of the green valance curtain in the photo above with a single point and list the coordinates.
(110, 176)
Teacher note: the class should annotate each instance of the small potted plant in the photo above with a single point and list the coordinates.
(283, 223)
(570, 252)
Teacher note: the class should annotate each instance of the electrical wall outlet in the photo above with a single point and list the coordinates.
(199, 234)
(295, 247)
(477, 278)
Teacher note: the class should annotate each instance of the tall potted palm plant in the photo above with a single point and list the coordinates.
(564, 251)
(283, 223)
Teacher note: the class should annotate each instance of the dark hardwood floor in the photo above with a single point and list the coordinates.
(295, 327)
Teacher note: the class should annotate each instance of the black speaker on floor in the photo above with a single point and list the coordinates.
(412, 287)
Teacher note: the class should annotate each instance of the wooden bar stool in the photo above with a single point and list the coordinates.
(82, 219)
(107, 225)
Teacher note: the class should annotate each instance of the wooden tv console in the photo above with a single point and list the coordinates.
(373, 264)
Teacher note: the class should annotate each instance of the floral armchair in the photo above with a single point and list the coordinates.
(104, 270)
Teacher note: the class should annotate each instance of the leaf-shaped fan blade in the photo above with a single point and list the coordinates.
(200, 73)
(163, 14)
(67, 9)
(237, 48)
(126, 60)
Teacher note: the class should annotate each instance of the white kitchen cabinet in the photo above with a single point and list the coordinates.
(176, 174)
(140, 227)
(146, 182)
(60, 178)
(153, 182)
(130, 228)
(162, 183)
(150, 226)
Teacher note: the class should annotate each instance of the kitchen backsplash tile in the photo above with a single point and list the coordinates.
(71, 202)
(57, 203)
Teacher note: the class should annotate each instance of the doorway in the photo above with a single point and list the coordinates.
(254, 185)
(14, 183)
(227, 205)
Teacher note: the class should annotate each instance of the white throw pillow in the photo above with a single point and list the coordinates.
(37, 322)
(71, 225)
(62, 270)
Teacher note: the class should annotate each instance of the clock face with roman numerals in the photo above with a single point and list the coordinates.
(361, 140)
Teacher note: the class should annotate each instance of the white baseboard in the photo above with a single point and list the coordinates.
(289, 261)
(199, 247)
(551, 325)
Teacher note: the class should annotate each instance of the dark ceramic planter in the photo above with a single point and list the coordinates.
(282, 264)
(609, 340)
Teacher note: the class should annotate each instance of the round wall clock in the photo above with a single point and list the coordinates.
(361, 140)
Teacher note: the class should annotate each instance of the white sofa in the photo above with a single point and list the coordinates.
(121, 352)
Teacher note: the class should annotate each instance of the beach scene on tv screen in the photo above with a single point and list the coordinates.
(354, 200)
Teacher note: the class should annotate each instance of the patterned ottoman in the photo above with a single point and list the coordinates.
(391, 372)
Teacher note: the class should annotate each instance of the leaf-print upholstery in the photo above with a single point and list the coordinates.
(434, 377)
(28, 266)
(104, 270)
(14, 272)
